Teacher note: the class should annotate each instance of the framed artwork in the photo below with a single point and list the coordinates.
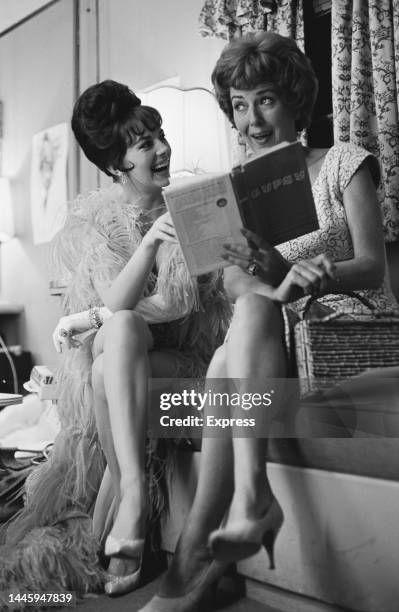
(49, 182)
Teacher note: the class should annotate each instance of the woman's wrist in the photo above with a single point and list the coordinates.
(149, 243)
(94, 317)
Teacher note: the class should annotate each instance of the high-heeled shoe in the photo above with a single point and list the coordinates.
(123, 549)
(242, 539)
(190, 602)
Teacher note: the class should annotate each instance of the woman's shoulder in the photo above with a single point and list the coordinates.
(92, 202)
(345, 158)
(104, 208)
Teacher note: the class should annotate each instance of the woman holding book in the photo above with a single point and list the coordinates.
(119, 254)
(267, 88)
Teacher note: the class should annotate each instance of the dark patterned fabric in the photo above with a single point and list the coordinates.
(231, 18)
(365, 77)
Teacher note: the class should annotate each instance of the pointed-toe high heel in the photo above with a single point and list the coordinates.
(242, 539)
(191, 601)
(123, 549)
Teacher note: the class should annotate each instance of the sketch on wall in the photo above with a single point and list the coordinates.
(49, 182)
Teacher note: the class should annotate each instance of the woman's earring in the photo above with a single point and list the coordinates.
(122, 178)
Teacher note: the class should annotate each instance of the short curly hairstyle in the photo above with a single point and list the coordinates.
(106, 120)
(266, 57)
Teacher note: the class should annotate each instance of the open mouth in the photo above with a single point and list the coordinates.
(161, 167)
(261, 137)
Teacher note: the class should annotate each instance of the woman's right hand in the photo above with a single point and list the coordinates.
(272, 267)
(68, 327)
(161, 230)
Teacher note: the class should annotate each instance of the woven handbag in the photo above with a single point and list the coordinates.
(334, 348)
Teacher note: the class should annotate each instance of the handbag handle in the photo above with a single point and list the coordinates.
(334, 315)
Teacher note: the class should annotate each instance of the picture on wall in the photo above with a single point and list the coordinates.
(49, 182)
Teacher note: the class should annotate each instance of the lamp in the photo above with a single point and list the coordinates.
(6, 213)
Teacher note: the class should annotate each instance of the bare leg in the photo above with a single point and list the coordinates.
(121, 368)
(255, 354)
(124, 340)
(212, 498)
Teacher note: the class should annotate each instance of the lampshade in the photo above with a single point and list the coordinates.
(6, 212)
(195, 128)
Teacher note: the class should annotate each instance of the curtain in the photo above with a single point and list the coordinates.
(365, 78)
(231, 18)
(288, 21)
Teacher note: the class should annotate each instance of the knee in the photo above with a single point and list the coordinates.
(255, 310)
(127, 325)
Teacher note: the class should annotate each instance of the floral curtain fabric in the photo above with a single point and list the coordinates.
(365, 78)
(288, 21)
(231, 18)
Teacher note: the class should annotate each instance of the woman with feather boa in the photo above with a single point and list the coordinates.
(144, 316)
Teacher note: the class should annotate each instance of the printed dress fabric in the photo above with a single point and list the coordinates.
(365, 78)
(333, 236)
(51, 545)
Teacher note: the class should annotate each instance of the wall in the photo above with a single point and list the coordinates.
(36, 87)
(145, 42)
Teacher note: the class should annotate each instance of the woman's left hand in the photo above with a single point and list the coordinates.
(263, 261)
(306, 277)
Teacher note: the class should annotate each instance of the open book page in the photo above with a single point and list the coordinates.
(205, 214)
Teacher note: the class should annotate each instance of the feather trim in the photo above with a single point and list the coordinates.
(44, 550)
(47, 560)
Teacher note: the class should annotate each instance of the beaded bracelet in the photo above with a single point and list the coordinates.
(95, 318)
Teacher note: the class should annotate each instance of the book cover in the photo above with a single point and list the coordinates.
(274, 194)
(269, 194)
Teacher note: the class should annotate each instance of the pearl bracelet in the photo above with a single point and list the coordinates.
(95, 319)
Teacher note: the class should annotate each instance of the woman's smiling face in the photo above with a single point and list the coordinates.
(149, 159)
(261, 117)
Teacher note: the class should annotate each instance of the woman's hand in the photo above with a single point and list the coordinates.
(271, 266)
(68, 327)
(306, 277)
(161, 230)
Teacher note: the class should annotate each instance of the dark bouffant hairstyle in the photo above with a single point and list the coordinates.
(106, 120)
(266, 57)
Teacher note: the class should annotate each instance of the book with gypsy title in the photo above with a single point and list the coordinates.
(269, 194)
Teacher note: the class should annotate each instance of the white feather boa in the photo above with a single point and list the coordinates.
(50, 544)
